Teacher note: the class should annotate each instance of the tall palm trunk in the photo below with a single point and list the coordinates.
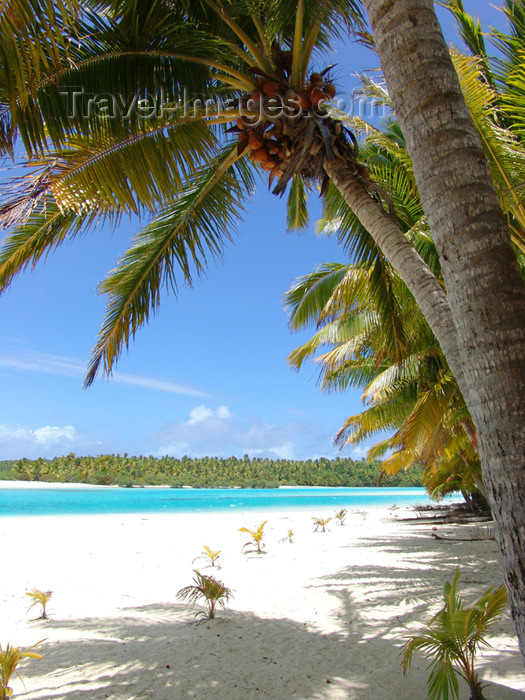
(484, 288)
(410, 266)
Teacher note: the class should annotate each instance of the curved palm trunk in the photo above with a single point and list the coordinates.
(412, 269)
(485, 291)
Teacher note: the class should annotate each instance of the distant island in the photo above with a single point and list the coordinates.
(205, 472)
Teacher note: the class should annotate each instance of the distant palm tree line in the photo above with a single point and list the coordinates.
(124, 470)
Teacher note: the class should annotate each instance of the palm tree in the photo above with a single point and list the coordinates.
(379, 340)
(208, 589)
(341, 515)
(10, 657)
(485, 291)
(185, 171)
(407, 386)
(267, 114)
(452, 639)
(320, 523)
(39, 598)
(211, 556)
(256, 536)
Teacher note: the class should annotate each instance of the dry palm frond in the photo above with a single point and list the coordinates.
(482, 533)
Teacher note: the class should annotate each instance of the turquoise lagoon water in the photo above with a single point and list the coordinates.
(49, 500)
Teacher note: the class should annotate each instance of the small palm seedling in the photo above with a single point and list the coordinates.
(256, 536)
(10, 657)
(452, 638)
(39, 598)
(207, 589)
(211, 556)
(321, 523)
(341, 515)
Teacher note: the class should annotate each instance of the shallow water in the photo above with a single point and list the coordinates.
(53, 500)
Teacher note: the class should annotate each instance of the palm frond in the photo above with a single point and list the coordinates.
(33, 38)
(503, 150)
(471, 32)
(189, 231)
(297, 211)
(43, 231)
(308, 296)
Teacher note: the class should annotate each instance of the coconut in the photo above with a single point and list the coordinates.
(316, 96)
(302, 100)
(255, 141)
(270, 88)
(259, 155)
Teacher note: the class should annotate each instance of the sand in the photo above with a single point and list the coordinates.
(322, 617)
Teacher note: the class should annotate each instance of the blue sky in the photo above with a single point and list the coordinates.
(208, 376)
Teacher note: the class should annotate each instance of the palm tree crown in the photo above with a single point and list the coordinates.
(180, 105)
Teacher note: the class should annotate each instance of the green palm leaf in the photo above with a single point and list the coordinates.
(33, 38)
(504, 152)
(308, 297)
(452, 638)
(44, 229)
(198, 224)
(297, 212)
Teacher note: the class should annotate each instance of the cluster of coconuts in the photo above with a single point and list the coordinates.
(269, 145)
(316, 89)
(266, 150)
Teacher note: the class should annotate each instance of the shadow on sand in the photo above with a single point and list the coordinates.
(161, 652)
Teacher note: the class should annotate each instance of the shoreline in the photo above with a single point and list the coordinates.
(14, 484)
(324, 616)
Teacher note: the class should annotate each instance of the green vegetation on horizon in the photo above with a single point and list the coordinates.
(124, 470)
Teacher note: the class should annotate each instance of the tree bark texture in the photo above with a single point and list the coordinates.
(484, 287)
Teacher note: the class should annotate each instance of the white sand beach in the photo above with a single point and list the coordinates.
(323, 617)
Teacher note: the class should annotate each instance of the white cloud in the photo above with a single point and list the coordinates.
(43, 363)
(212, 432)
(50, 434)
(203, 414)
(47, 441)
(199, 415)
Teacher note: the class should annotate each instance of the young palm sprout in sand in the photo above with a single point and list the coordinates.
(452, 638)
(256, 536)
(211, 556)
(10, 657)
(208, 590)
(341, 515)
(321, 523)
(39, 598)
